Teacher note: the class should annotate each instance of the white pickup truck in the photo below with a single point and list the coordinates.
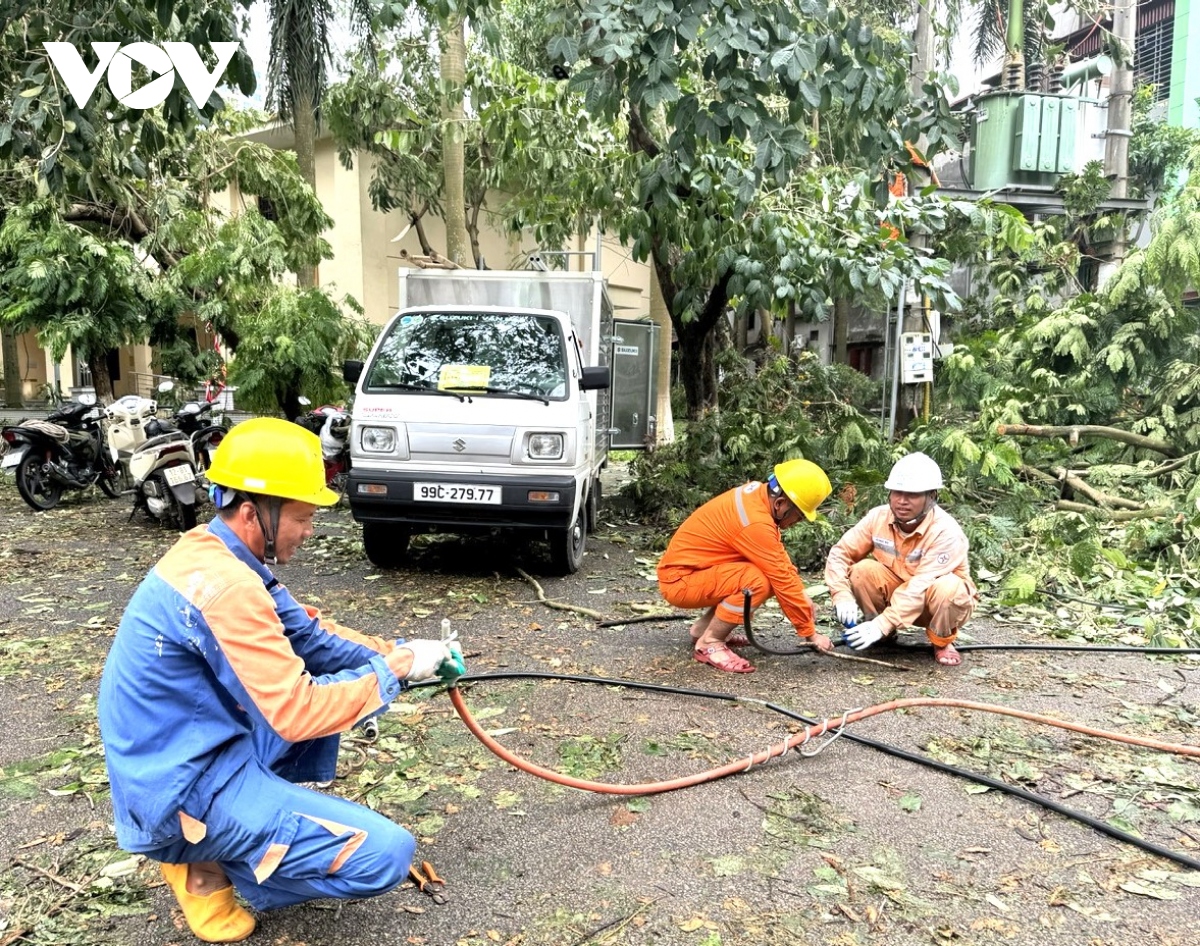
(484, 405)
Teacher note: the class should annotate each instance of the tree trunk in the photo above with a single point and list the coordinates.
(741, 335)
(101, 380)
(12, 368)
(697, 369)
(665, 429)
(454, 76)
(304, 126)
(290, 404)
(697, 344)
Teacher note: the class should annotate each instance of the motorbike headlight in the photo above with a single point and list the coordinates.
(545, 446)
(378, 439)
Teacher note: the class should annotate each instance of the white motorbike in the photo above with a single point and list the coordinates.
(125, 430)
(164, 479)
(160, 460)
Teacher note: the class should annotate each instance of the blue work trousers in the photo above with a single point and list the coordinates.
(282, 844)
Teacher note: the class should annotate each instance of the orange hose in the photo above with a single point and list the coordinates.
(792, 742)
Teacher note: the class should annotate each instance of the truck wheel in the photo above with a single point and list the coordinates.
(593, 505)
(386, 545)
(567, 546)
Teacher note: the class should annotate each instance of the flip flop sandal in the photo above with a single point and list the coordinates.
(730, 663)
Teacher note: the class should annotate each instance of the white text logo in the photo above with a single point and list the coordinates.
(162, 61)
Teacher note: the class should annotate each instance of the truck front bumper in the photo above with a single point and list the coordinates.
(515, 510)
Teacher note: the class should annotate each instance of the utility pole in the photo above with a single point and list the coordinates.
(923, 55)
(1120, 114)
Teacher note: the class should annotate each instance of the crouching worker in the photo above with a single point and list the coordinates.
(904, 565)
(221, 691)
(733, 543)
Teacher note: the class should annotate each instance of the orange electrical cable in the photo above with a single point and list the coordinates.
(794, 741)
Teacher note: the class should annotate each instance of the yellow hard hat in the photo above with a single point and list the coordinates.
(805, 484)
(272, 457)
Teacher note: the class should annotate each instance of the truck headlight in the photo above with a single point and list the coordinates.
(545, 446)
(378, 439)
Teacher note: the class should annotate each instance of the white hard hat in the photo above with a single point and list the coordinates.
(915, 473)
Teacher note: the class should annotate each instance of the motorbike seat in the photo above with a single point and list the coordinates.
(69, 414)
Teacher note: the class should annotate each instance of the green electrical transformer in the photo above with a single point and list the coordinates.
(1021, 138)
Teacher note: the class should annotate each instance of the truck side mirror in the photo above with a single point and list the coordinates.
(595, 379)
(351, 371)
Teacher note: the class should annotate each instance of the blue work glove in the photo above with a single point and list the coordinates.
(862, 636)
(847, 613)
(428, 658)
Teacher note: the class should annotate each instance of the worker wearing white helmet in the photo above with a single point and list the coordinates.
(904, 565)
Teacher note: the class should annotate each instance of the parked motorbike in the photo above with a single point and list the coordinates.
(195, 418)
(63, 452)
(125, 423)
(332, 425)
(164, 478)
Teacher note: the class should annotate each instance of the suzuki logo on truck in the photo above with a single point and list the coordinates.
(460, 445)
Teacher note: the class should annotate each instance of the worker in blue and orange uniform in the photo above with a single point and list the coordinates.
(904, 565)
(733, 543)
(221, 692)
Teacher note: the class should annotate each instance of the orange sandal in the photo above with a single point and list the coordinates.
(721, 657)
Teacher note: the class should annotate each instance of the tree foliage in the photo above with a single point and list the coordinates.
(788, 408)
(293, 345)
(77, 290)
(727, 105)
(102, 146)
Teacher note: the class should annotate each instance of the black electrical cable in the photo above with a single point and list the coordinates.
(1101, 826)
(894, 646)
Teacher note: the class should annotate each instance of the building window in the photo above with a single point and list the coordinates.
(1152, 45)
(268, 209)
(1152, 56)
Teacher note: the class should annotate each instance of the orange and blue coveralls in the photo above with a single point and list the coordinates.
(917, 580)
(729, 544)
(221, 691)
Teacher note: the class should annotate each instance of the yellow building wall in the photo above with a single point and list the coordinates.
(367, 255)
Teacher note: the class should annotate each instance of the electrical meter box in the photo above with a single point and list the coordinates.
(916, 357)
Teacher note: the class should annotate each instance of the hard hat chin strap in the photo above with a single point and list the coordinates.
(269, 526)
(930, 502)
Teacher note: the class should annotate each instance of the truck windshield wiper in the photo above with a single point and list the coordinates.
(509, 391)
(423, 388)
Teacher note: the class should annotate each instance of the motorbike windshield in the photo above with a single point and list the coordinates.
(481, 354)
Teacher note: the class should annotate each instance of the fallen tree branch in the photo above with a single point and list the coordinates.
(646, 617)
(49, 875)
(1033, 473)
(1169, 467)
(1095, 495)
(1072, 435)
(1114, 515)
(541, 594)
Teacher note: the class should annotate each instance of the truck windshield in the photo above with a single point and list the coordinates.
(477, 353)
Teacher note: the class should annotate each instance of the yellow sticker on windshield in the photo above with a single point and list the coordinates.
(465, 377)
